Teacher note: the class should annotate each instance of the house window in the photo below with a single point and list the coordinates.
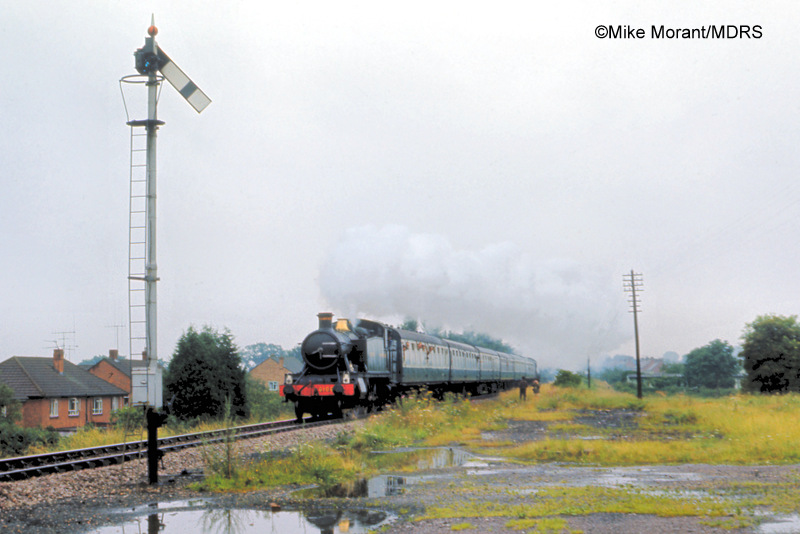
(114, 404)
(74, 407)
(54, 408)
(97, 408)
(273, 386)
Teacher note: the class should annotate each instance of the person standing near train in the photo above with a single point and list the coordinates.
(523, 389)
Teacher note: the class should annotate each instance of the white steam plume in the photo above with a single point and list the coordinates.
(557, 311)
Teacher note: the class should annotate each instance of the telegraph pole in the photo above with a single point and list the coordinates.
(632, 284)
(589, 372)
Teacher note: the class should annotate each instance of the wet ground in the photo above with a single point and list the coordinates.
(445, 478)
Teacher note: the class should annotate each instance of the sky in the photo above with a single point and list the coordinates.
(493, 166)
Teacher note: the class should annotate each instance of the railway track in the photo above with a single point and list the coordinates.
(25, 467)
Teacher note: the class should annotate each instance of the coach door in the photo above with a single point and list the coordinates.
(395, 355)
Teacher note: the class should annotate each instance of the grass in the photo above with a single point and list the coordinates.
(742, 430)
(739, 430)
(546, 510)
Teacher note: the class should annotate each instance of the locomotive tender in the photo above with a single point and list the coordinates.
(370, 364)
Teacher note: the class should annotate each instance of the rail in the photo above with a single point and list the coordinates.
(24, 467)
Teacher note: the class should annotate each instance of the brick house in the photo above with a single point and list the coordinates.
(272, 372)
(55, 392)
(116, 371)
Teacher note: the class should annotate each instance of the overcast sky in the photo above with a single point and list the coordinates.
(484, 165)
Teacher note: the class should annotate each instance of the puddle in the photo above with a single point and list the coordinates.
(430, 458)
(389, 485)
(781, 525)
(379, 486)
(184, 516)
(641, 476)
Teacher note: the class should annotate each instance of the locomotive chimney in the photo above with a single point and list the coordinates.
(325, 320)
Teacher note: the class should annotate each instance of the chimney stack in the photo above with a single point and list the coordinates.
(325, 320)
(113, 354)
(58, 361)
(280, 362)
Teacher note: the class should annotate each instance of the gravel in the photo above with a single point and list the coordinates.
(68, 502)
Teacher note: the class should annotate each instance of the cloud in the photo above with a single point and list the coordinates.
(556, 310)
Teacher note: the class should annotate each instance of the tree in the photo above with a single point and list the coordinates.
(410, 324)
(712, 366)
(771, 351)
(205, 370)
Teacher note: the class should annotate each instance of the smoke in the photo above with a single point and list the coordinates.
(557, 311)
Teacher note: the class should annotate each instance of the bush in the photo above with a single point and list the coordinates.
(129, 419)
(265, 405)
(15, 440)
(568, 379)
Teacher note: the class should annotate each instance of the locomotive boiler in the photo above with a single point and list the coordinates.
(368, 364)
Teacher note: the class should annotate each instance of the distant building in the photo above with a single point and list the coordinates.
(620, 361)
(651, 366)
(272, 372)
(55, 392)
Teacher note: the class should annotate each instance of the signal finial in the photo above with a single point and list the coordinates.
(152, 30)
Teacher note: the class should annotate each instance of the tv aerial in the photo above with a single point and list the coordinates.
(153, 66)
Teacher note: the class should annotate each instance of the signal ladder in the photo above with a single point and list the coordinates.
(137, 243)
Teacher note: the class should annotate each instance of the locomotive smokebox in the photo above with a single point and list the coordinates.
(325, 320)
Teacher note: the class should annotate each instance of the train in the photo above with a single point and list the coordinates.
(363, 366)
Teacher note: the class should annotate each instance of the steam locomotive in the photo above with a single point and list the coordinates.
(363, 366)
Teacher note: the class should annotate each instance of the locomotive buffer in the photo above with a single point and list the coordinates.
(150, 61)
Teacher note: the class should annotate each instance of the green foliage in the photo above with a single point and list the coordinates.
(410, 324)
(771, 351)
(205, 369)
(15, 440)
(129, 419)
(567, 379)
(712, 366)
(13, 407)
(673, 368)
(265, 405)
(222, 459)
(613, 375)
